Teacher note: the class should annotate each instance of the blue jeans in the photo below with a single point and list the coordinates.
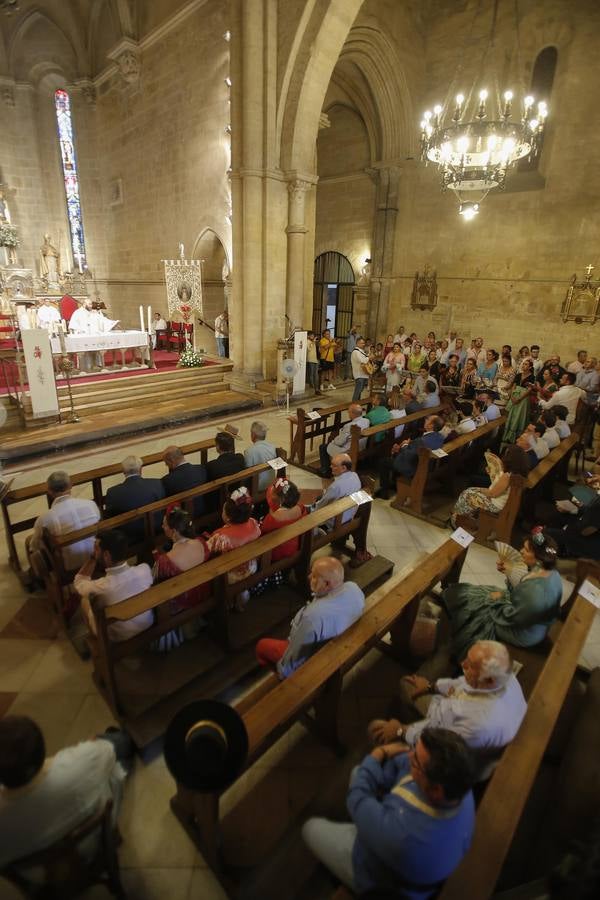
(312, 375)
(221, 346)
(359, 385)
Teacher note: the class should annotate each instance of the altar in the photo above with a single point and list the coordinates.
(111, 341)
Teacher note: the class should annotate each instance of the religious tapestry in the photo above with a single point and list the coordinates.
(424, 292)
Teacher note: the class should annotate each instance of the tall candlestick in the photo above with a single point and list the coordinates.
(142, 319)
(61, 338)
(149, 319)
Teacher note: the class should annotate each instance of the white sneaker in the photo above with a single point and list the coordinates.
(332, 386)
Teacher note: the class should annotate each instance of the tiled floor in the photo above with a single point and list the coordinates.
(44, 678)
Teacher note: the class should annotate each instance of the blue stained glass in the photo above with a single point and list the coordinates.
(69, 164)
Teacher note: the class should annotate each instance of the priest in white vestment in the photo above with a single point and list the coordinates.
(48, 316)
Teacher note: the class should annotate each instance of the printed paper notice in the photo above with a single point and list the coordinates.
(361, 497)
(313, 415)
(439, 453)
(277, 463)
(590, 592)
(462, 537)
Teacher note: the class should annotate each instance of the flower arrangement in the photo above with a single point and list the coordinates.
(190, 358)
(8, 235)
(186, 312)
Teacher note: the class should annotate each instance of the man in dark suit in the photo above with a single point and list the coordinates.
(182, 476)
(133, 492)
(227, 462)
(405, 456)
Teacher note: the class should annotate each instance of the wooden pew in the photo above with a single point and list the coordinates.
(223, 652)
(506, 795)
(318, 684)
(503, 803)
(93, 477)
(308, 429)
(409, 494)
(380, 448)
(58, 579)
(555, 464)
(501, 524)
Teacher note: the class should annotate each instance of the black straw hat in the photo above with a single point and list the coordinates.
(206, 746)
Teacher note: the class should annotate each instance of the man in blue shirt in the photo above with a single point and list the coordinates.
(336, 605)
(405, 456)
(412, 818)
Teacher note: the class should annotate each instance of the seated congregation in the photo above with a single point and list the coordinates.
(236, 534)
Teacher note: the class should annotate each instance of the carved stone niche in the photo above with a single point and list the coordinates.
(582, 301)
(127, 57)
(424, 290)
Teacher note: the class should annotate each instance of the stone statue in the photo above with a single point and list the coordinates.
(50, 261)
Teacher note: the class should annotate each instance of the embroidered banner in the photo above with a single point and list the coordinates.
(40, 372)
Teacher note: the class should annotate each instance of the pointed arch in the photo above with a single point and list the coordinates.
(24, 54)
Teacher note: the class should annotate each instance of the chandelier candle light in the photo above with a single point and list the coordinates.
(475, 153)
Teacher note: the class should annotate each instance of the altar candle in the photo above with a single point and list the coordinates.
(149, 319)
(64, 324)
(61, 338)
(142, 319)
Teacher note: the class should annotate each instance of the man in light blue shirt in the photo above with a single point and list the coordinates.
(261, 451)
(345, 482)
(485, 705)
(491, 410)
(336, 605)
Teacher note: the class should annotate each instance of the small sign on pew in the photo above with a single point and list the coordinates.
(462, 537)
(439, 453)
(361, 497)
(590, 592)
(313, 414)
(277, 463)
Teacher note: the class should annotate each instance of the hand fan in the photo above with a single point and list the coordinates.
(514, 567)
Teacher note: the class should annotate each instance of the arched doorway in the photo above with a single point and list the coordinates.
(333, 293)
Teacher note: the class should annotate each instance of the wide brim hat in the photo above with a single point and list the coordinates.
(232, 430)
(206, 746)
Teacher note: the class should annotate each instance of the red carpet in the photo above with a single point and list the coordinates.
(164, 362)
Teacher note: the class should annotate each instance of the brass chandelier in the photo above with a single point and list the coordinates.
(476, 143)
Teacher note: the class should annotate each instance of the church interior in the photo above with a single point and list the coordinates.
(253, 236)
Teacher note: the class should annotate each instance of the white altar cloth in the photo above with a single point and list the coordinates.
(114, 340)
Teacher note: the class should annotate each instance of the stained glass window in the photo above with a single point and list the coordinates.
(69, 164)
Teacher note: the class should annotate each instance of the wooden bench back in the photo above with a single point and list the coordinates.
(90, 476)
(546, 465)
(308, 429)
(214, 572)
(265, 720)
(388, 429)
(503, 803)
(428, 464)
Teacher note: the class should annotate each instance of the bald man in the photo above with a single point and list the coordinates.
(345, 482)
(335, 606)
(485, 706)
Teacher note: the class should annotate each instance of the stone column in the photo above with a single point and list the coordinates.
(296, 231)
(386, 179)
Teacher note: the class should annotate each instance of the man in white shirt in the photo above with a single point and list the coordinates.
(261, 451)
(42, 798)
(47, 315)
(341, 443)
(66, 514)
(86, 320)
(358, 362)
(120, 582)
(222, 333)
(551, 435)
(567, 395)
(578, 364)
(485, 706)
(536, 362)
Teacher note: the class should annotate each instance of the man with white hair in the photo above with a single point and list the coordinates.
(66, 514)
(133, 492)
(261, 451)
(343, 439)
(485, 705)
(336, 605)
